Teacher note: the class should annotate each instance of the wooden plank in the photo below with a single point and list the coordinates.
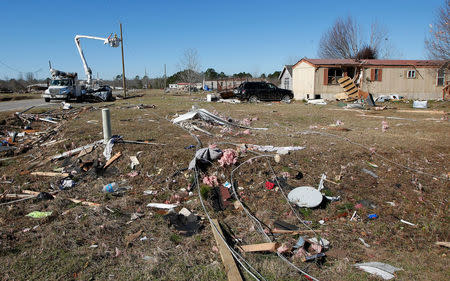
(85, 151)
(84, 202)
(444, 244)
(263, 247)
(231, 268)
(50, 174)
(112, 159)
(15, 196)
(30, 192)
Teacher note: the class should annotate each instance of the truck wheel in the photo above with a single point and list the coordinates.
(286, 99)
(47, 99)
(253, 99)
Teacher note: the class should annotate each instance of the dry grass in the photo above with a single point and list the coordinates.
(59, 248)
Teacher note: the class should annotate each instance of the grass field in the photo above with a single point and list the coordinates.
(77, 242)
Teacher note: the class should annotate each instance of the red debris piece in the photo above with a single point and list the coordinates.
(270, 185)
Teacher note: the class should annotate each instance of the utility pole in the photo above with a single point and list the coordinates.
(145, 77)
(124, 83)
(165, 77)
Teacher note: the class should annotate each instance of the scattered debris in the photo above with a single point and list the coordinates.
(183, 224)
(231, 268)
(364, 242)
(263, 247)
(281, 150)
(305, 196)
(384, 126)
(205, 156)
(229, 157)
(130, 238)
(407, 222)
(39, 215)
(419, 104)
(443, 244)
(369, 173)
(162, 205)
(383, 270)
(134, 162)
(372, 216)
(317, 102)
(112, 159)
(50, 174)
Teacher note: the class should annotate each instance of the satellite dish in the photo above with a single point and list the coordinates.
(305, 196)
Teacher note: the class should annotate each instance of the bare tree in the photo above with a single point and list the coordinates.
(291, 60)
(29, 76)
(190, 67)
(344, 40)
(437, 42)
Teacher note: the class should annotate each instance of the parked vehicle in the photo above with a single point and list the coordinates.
(262, 91)
(63, 86)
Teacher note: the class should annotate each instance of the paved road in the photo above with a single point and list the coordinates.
(17, 105)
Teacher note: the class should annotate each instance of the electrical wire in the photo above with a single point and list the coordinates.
(258, 223)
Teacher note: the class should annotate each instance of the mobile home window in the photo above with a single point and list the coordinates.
(377, 75)
(334, 74)
(440, 77)
(411, 74)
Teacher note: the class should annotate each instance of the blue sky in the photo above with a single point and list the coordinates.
(230, 36)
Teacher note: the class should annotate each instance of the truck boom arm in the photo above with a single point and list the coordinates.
(113, 41)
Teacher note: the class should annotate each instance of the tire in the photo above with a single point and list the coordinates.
(286, 99)
(79, 99)
(47, 99)
(253, 99)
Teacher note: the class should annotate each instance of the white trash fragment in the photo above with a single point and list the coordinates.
(305, 196)
(322, 178)
(150, 192)
(317, 101)
(407, 222)
(369, 173)
(161, 205)
(420, 104)
(66, 105)
(188, 214)
(134, 162)
(383, 270)
(364, 242)
(281, 150)
(323, 242)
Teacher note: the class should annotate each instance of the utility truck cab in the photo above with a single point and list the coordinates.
(63, 86)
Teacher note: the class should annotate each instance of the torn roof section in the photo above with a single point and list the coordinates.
(372, 62)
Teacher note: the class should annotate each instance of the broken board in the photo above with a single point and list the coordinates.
(231, 268)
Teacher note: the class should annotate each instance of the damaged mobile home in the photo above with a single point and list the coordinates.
(413, 79)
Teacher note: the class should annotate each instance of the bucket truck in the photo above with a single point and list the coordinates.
(65, 86)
